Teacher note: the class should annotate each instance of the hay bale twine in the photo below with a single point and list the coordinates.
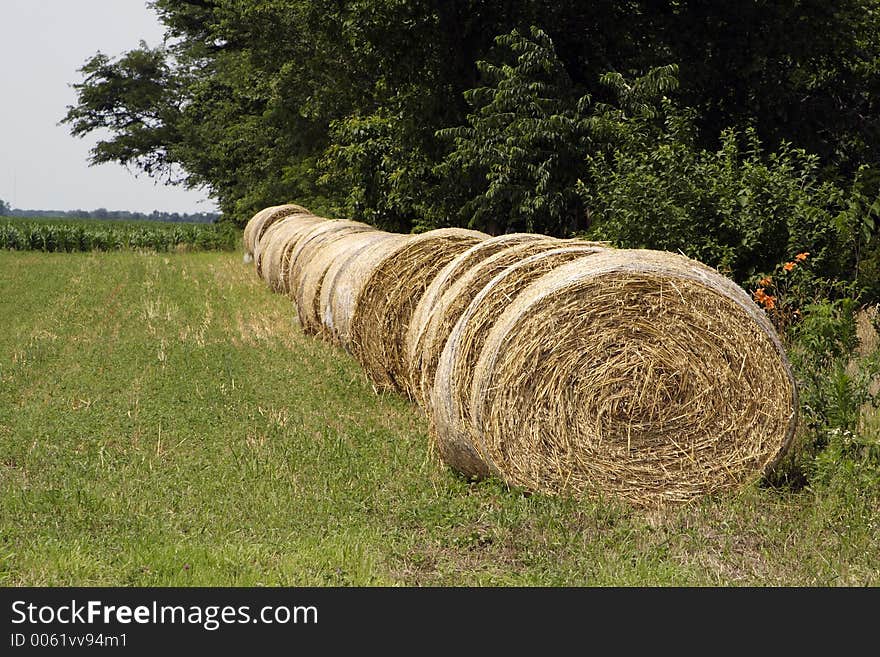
(384, 307)
(276, 241)
(446, 278)
(345, 279)
(639, 374)
(448, 405)
(260, 222)
(310, 244)
(336, 245)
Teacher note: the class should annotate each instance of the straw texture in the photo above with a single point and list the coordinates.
(446, 278)
(351, 279)
(334, 248)
(260, 222)
(391, 291)
(279, 240)
(640, 374)
(452, 432)
(311, 244)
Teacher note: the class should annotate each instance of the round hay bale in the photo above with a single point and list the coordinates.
(445, 279)
(639, 374)
(384, 307)
(260, 222)
(247, 237)
(427, 340)
(275, 242)
(344, 256)
(334, 246)
(448, 405)
(346, 279)
(311, 244)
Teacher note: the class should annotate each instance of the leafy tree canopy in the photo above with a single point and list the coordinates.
(383, 109)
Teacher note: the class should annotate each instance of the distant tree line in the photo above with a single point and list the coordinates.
(112, 215)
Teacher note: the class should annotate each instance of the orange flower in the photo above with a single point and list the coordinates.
(788, 266)
(800, 257)
(769, 302)
(765, 282)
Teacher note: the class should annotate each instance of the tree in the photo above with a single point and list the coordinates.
(5, 209)
(343, 105)
(515, 165)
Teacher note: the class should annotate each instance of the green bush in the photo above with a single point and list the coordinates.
(379, 178)
(739, 209)
(837, 392)
(515, 165)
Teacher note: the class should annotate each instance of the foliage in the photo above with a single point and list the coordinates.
(738, 208)
(116, 215)
(861, 217)
(513, 168)
(245, 98)
(137, 99)
(378, 181)
(838, 388)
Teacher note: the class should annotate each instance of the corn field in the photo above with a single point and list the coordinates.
(69, 236)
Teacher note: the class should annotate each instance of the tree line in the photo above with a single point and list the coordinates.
(111, 215)
(738, 133)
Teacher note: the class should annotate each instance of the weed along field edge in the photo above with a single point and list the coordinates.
(164, 421)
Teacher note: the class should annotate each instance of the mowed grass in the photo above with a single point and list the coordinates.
(163, 421)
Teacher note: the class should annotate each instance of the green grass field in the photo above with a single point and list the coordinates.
(163, 421)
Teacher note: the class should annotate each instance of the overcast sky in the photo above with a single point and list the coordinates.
(42, 44)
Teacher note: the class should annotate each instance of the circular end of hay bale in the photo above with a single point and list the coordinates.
(260, 222)
(317, 258)
(309, 245)
(638, 374)
(384, 307)
(343, 255)
(447, 399)
(247, 237)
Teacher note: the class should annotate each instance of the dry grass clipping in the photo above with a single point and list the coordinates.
(391, 291)
(448, 406)
(336, 246)
(344, 280)
(446, 278)
(638, 374)
(279, 240)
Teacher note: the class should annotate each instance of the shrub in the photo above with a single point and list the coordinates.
(739, 209)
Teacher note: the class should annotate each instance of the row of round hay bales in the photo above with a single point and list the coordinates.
(559, 366)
